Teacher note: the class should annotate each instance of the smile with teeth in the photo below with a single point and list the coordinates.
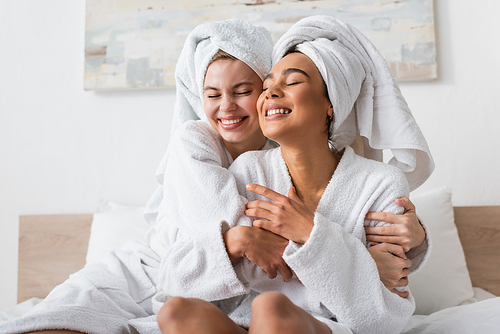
(278, 111)
(231, 121)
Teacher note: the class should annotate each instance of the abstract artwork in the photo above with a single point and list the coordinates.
(134, 44)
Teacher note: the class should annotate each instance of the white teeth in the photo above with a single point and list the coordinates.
(277, 111)
(230, 121)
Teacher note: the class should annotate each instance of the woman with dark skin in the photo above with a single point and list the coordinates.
(292, 111)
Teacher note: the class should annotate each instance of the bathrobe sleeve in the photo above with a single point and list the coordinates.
(200, 202)
(337, 267)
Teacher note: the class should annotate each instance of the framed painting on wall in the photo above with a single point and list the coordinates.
(134, 44)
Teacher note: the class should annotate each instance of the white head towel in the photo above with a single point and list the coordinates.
(250, 44)
(364, 94)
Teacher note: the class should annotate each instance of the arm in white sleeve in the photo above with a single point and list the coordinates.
(200, 202)
(338, 268)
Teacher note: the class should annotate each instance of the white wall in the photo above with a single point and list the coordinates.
(63, 149)
(460, 113)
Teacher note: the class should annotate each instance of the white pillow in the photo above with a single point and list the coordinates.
(444, 280)
(112, 226)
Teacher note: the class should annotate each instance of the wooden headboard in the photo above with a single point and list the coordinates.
(51, 247)
(479, 231)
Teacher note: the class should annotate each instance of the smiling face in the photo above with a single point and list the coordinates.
(293, 107)
(231, 90)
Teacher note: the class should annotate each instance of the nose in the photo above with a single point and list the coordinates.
(227, 104)
(273, 92)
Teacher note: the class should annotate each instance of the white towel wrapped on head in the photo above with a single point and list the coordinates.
(365, 96)
(250, 44)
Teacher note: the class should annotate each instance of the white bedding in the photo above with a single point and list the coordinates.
(480, 317)
(435, 208)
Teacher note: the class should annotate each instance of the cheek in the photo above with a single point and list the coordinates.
(250, 105)
(260, 103)
(209, 107)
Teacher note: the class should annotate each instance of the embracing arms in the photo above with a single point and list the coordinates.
(334, 263)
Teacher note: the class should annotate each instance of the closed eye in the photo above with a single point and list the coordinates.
(244, 93)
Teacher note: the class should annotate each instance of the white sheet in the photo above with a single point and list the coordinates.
(480, 317)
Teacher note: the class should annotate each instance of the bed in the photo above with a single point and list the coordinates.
(455, 292)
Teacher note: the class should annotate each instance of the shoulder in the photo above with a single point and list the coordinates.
(196, 133)
(255, 165)
(198, 140)
(191, 128)
(260, 159)
(385, 175)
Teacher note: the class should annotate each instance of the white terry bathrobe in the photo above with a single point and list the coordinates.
(338, 277)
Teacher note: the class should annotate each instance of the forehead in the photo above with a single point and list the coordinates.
(230, 72)
(296, 60)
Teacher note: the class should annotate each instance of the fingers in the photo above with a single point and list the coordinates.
(292, 194)
(396, 250)
(259, 204)
(399, 237)
(271, 272)
(382, 238)
(286, 272)
(380, 230)
(260, 209)
(386, 217)
(263, 224)
(390, 217)
(405, 203)
(264, 191)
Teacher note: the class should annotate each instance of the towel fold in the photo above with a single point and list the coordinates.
(364, 94)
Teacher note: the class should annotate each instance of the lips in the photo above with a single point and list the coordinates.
(230, 123)
(277, 109)
(283, 111)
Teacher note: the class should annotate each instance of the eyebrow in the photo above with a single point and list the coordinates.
(239, 84)
(286, 72)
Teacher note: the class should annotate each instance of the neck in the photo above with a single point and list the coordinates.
(310, 168)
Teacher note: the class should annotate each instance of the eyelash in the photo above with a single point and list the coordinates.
(247, 92)
(288, 84)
